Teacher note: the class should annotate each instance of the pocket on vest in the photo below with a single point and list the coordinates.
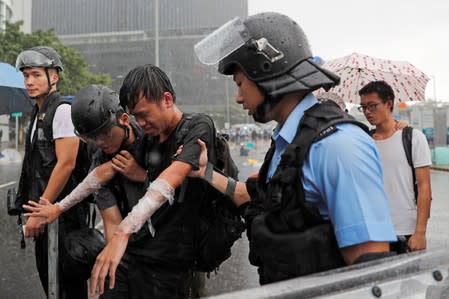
(291, 254)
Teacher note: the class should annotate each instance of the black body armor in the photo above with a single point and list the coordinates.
(288, 237)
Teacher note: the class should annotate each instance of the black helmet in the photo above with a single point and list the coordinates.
(95, 109)
(40, 56)
(82, 247)
(276, 45)
(277, 57)
(271, 49)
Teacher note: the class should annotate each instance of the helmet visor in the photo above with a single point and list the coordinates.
(222, 42)
(30, 58)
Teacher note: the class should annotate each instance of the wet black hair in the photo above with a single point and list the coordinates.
(147, 80)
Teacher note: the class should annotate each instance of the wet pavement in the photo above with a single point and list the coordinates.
(19, 278)
(18, 274)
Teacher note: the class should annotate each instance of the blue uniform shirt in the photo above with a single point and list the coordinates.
(343, 177)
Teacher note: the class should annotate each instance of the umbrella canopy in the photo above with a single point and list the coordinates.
(357, 70)
(13, 97)
(332, 96)
(10, 77)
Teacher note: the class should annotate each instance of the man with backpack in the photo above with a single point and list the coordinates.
(160, 263)
(406, 162)
(318, 202)
(51, 150)
(118, 181)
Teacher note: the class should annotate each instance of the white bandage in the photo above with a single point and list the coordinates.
(89, 185)
(158, 192)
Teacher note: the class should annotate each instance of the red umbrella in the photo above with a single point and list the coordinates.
(356, 70)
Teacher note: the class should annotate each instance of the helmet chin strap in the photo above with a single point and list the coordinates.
(269, 102)
(45, 94)
(124, 127)
(126, 137)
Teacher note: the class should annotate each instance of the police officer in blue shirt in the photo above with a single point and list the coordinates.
(319, 201)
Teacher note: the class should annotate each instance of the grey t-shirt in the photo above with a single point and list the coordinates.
(398, 178)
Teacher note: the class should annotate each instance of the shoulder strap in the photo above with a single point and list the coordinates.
(318, 122)
(181, 132)
(183, 128)
(407, 135)
(50, 114)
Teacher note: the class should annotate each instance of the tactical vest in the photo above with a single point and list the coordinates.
(288, 237)
(40, 156)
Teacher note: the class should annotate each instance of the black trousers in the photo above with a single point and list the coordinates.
(69, 287)
(137, 278)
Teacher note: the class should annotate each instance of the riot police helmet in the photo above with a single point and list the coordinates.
(271, 49)
(95, 109)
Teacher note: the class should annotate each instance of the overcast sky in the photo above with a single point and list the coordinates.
(413, 30)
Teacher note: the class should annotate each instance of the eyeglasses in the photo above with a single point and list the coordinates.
(370, 107)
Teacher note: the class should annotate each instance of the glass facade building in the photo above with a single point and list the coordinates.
(116, 35)
(5, 12)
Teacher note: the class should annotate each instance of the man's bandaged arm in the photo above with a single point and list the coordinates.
(91, 183)
(160, 190)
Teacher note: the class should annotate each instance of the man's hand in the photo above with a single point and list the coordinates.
(417, 242)
(43, 209)
(34, 226)
(202, 162)
(107, 262)
(401, 124)
(125, 164)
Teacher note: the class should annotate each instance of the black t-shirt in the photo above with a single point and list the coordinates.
(120, 190)
(176, 225)
(161, 155)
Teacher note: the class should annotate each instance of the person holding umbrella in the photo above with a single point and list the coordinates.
(319, 201)
(409, 211)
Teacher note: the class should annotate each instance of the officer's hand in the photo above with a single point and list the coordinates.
(125, 164)
(34, 226)
(417, 242)
(202, 162)
(107, 262)
(43, 209)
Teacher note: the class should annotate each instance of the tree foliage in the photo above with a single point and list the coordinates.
(76, 73)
